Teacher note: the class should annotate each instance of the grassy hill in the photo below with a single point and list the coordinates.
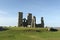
(16, 33)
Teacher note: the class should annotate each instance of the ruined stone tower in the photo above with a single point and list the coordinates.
(20, 19)
(29, 19)
(33, 23)
(42, 22)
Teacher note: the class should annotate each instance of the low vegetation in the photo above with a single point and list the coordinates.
(52, 29)
(17, 33)
(29, 29)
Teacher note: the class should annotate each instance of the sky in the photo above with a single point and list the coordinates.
(49, 9)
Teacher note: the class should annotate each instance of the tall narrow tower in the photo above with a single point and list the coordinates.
(20, 19)
(29, 18)
(42, 22)
(33, 24)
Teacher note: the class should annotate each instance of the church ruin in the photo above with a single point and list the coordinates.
(29, 22)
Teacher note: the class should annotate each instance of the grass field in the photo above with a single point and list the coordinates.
(16, 34)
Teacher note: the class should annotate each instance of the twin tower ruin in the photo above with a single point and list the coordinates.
(29, 22)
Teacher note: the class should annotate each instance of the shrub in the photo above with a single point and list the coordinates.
(3, 29)
(52, 29)
(34, 29)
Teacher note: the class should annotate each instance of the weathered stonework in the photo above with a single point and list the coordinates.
(33, 23)
(20, 17)
(24, 22)
(42, 22)
(29, 18)
(29, 22)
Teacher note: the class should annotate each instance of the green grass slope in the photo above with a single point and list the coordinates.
(17, 34)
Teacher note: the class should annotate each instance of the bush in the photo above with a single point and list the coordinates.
(52, 29)
(22, 29)
(34, 29)
(3, 29)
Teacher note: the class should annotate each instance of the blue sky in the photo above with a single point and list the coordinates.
(49, 9)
